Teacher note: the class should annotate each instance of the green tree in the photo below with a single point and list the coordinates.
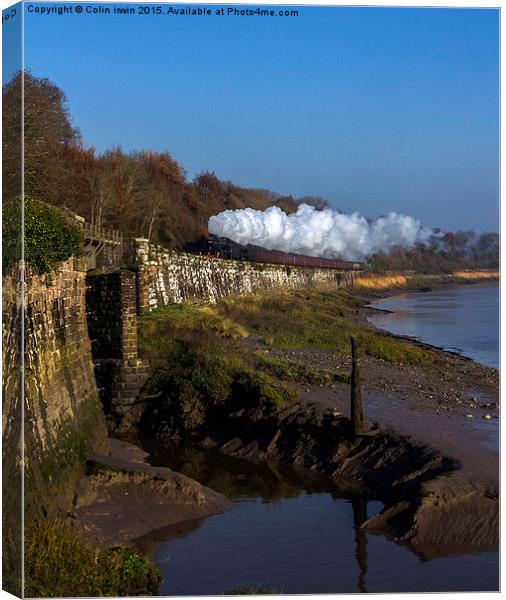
(49, 236)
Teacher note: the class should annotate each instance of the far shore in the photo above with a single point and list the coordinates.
(394, 282)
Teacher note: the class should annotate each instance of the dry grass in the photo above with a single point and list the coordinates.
(476, 275)
(381, 282)
(385, 282)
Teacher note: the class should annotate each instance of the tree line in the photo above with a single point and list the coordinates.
(444, 253)
(143, 193)
(148, 194)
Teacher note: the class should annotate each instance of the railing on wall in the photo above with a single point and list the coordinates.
(109, 236)
(103, 246)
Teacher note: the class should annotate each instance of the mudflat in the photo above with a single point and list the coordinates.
(453, 410)
(432, 416)
(123, 497)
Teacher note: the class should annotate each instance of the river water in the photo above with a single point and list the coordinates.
(293, 533)
(463, 319)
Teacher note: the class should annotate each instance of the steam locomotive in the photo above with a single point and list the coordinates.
(223, 247)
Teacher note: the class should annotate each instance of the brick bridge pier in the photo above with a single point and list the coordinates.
(111, 303)
(111, 310)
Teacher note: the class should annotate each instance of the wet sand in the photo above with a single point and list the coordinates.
(125, 498)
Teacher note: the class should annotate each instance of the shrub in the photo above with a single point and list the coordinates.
(48, 238)
(59, 564)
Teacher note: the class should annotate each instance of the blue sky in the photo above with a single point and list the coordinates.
(375, 109)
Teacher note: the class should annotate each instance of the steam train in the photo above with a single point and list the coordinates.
(222, 247)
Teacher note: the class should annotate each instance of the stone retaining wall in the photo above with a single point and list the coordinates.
(166, 276)
(12, 502)
(64, 420)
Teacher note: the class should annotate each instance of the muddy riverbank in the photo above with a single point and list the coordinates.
(123, 497)
(430, 455)
(454, 410)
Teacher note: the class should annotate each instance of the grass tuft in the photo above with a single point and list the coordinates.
(190, 316)
(60, 564)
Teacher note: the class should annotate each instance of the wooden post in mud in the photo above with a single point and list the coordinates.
(357, 413)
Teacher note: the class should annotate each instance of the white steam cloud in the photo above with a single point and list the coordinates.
(324, 233)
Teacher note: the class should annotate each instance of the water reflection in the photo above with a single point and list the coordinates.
(294, 532)
(237, 478)
(359, 505)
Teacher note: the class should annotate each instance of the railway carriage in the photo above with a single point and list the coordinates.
(225, 248)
